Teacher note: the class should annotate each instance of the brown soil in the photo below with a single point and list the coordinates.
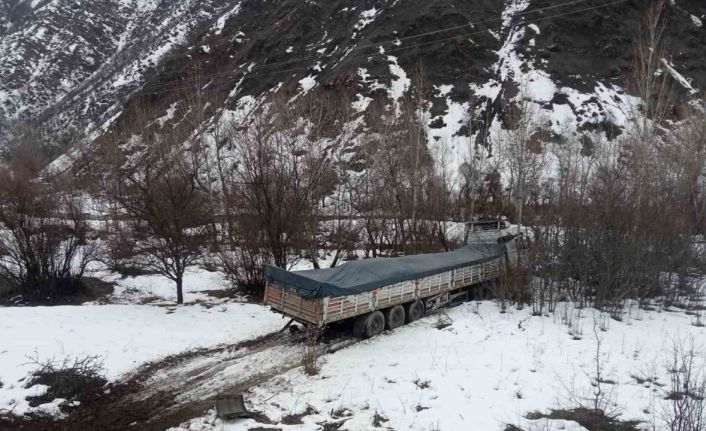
(590, 419)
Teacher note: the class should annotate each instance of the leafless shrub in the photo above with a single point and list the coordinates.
(603, 399)
(422, 383)
(72, 379)
(687, 389)
(296, 418)
(513, 285)
(45, 240)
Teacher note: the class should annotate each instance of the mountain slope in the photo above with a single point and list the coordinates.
(80, 63)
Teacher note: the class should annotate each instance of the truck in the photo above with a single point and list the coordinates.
(387, 292)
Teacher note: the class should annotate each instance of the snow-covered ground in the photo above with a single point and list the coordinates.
(157, 289)
(481, 369)
(124, 335)
(482, 372)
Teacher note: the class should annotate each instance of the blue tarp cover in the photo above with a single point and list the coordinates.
(367, 274)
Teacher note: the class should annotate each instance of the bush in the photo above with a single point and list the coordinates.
(44, 236)
(5, 288)
(687, 410)
(72, 379)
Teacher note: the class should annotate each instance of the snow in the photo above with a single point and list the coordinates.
(697, 22)
(366, 17)
(607, 100)
(221, 22)
(679, 77)
(444, 89)
(307, 83)
(541, 88)
(124, 336)
(483, 371)
(446, 138)
(142, 323)
(169, 114)
(400, 82)
(372, 84)
(159, 289)
(361, 103)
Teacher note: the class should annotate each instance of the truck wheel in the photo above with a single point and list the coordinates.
(369, 325)
(394, 317)
(415, 310)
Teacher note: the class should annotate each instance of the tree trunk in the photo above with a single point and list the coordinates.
(180, 289)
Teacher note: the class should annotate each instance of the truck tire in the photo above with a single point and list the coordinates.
(415, 310)
(394, 317)
(369, 325)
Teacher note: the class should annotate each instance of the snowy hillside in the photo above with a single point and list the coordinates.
(81, 63)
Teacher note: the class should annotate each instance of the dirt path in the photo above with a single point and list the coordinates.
(180, 387)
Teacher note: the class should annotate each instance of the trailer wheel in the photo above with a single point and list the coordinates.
(369, 325)
(394, 317)
(415, 310)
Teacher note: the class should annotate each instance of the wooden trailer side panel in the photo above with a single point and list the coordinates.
(434, 284)
(342, 307)
(289, 302)
(467, 276)
(397, 293)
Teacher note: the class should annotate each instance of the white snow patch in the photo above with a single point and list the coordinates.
(679, 77)
(400, 83)
(361, 103)
(307, 83)
(697, 22)
(444, 142)
(221, 22)
(366, 17)
(371, 84)
(168, 115)
(540, 86)
(444, 89)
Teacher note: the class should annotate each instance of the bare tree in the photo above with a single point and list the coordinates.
(415, 114)
(653, 87)
(523, 150)
(281, 175)
(153, 182)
